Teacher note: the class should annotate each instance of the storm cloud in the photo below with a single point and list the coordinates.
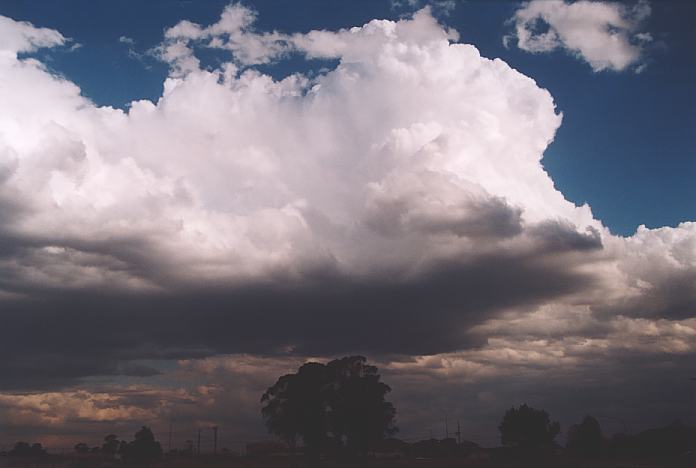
(394, 205)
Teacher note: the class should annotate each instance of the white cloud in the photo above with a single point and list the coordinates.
(21, 36)
(56, 408)
(232, 176)
(604, 34)
(235, 33)
(293, 171)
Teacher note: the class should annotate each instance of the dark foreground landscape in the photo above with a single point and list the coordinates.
(670, 446)
(272, 462)
(337, 414)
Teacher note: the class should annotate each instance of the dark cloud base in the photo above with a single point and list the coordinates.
(61, 336)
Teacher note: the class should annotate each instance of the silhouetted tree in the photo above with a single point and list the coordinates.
(527, 427)
(358, 410)
(111, 444)
(294, 406)
(144, 448)
(344, 399)
(23, 449)
(585, 439)
(81, 448)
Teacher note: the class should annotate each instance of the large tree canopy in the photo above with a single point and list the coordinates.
(144, 448)
(358, 411)
(586, 439)
(527, 427)
(343, 400)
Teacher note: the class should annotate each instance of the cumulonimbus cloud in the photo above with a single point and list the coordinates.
(402, 189)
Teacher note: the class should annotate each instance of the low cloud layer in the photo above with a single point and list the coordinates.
(394, 205)
(606, 35)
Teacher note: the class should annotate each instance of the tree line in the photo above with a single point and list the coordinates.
(144, 448)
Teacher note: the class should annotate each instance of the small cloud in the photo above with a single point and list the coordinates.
(443, 7)
(644, 37)
(603, 34)
(398, 4)
(135, 54)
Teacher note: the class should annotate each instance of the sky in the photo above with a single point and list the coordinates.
(492, 201)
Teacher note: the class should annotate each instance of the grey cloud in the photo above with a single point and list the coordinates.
(434, 204)
(672, 297)
(490, 218)
(135, 369)
(67, 335)
(561, 236)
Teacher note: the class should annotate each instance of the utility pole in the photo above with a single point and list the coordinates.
(215, 429)
(169, 449)
(459, 433)
(198, 444)
(446, 429)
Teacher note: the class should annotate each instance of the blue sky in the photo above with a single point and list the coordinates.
(627, 145)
